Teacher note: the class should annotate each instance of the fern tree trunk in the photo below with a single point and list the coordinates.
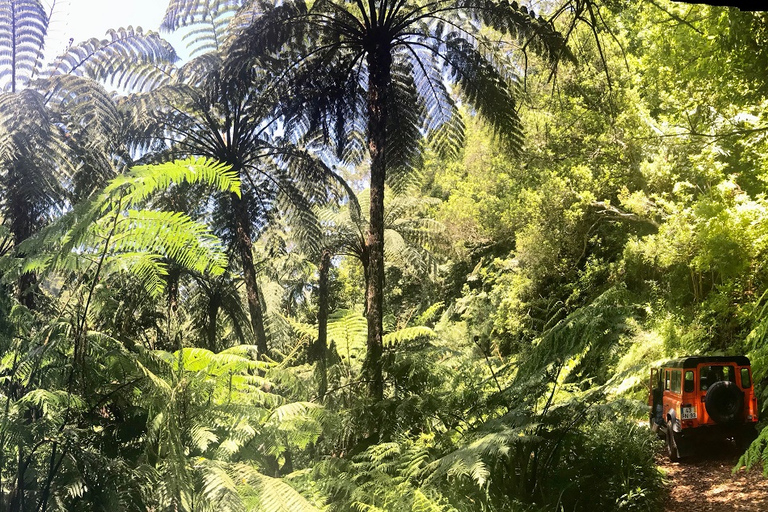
(320, 349)
(23, 225)
(245, 249)
(379, 75)
(172, 280)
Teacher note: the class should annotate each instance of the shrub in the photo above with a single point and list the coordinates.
(606, 465)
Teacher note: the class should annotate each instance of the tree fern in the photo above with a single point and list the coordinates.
(410, 239)
(203, 111)
(362, 68)
(61, 135)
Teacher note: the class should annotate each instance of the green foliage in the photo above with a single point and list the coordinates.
(709, 252)
(384, 477)
(756, 454)
(528, 287)
(150, 428)
(614, 469)
(112, 235)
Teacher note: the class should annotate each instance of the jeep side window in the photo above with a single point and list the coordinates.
(676, 381)
(666, 380)
(745, 381)
(688, 384)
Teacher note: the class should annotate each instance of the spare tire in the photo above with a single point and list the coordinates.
(724, 402)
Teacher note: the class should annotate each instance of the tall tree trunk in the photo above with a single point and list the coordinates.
(23, 224)
(245, 248)
(26, 289)
(320, 349)
(379, 74)
(173, 277)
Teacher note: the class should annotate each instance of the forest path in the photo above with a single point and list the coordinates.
(704, 482)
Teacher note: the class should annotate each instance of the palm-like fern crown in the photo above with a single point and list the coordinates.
(203, 110)
(203, 113)
(333, 44)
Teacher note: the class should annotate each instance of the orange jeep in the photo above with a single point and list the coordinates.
(694, 399)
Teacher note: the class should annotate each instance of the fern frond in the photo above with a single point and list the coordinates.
(429, 314)
(485, 88)
(348, 330)
(23, 27)
(182, 13)
(158, 382)
(138, 243)
(260, 492)
(521, 24)
(274, 495)
(209, 35)
(128, 58)
(422, 503)
(144, 180)
(218, 485)
(52, 403)
(85, 102)
(202, 437)
(149, 269)
(588, 332)
(407, 116)
(293, 410)
(31, 141)
(408, 335)
(176, 236)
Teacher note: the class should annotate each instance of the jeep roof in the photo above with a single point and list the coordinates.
(693, 361)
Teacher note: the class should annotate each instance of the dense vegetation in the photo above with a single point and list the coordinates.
(384, 256)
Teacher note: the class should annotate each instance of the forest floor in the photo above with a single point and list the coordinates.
(705, 482)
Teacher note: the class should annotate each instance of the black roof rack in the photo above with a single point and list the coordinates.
(693, 361)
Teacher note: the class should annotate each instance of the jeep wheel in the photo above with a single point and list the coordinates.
(724, 402)
(673, 443)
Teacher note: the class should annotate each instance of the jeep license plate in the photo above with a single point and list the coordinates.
(688, 413)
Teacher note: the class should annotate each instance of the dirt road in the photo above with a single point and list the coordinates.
(704, 482)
